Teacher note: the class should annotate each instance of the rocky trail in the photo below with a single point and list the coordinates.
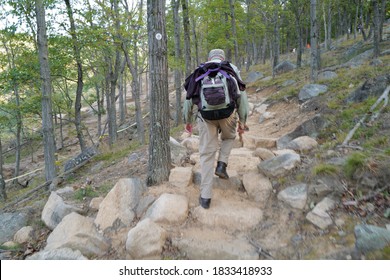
(249, 217)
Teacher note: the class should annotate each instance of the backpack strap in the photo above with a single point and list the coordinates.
(213, 70)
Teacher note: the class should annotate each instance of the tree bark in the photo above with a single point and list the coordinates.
(80, 83)
(313, 41)
(47, 115)
(3, 193)
(276, 38)
(176, 21)
(187, 41)
(122, 116)
(376, 26)
(136, 85)
(234, 33)
(159, 162)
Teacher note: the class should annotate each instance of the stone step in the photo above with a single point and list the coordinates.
(210, 244)
(228, 213)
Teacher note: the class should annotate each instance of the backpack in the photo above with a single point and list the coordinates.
(216, 102)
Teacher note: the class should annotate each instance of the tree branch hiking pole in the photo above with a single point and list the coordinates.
(241, 129)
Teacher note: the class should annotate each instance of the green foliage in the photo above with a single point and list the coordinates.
(325, 169)
(118, 151)
(354, 162)
(84, 192)
(14, 247)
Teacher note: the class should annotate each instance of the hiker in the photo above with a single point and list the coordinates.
(216, 115)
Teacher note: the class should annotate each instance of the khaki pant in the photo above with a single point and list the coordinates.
(209, 145)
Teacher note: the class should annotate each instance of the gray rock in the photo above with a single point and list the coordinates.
(310, 128)
(284, 66)
(319, 216)
(55, 210)
(311, 90)
(84, 156)
(370, 88)
(79, 233)
(370, 238)
(58, 254)
(280, 165)
(327, 75)
(295, 196)
(253, 77)
(288, 83)
(10, 223)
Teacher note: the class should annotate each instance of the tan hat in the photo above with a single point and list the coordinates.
(217, 54)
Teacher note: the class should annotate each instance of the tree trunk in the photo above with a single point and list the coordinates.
(329, 26)
(325, 27)
(196, 61)
(113, 78)
(3, 193)
(313, 41)
(18, 117)
(100, 104)
(47, 118)
(122, 117)
(136, 87)
(376, 27)
(176, 21)
(234, 32)
(187, 42)
(264, 50)
(276, 41)
(159, 162)
(382, 19)
(80, 83)
(18, 133)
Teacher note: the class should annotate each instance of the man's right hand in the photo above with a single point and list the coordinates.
(188, 128)
(242, 128)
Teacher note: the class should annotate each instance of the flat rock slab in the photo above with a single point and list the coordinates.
(206, 244)
(229, 214)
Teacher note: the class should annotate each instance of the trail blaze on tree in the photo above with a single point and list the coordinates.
(159, 150)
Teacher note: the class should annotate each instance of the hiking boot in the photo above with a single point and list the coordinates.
(220, 171)
(204, 202)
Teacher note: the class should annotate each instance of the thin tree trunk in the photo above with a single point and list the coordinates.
(47, 115)
(122, 116)
(313, 41)
(376, 27)
(3, 193)
(325, 27)
(276, 41)
(382, 19)
(176, 20)
(234, 32)
(264, 50)
(80, 83)
(18, 133)
(196, 61)
(159, 162)
(136, 89)
(329, 27)
(100, 104)
(187, 41)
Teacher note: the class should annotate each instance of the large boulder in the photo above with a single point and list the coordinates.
(118, 207)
